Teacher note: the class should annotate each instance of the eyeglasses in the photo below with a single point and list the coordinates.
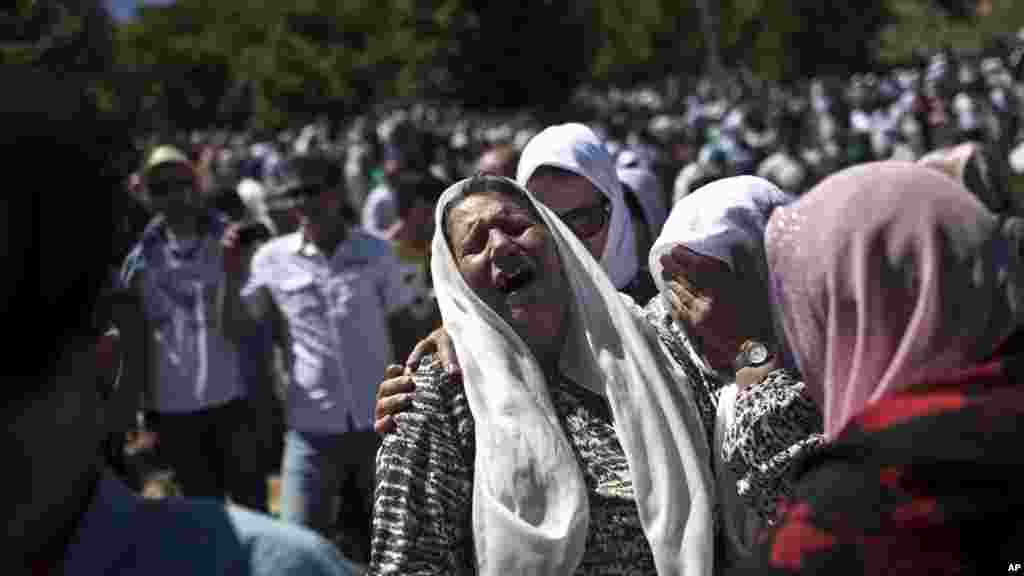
(162, 187)
(587, 221)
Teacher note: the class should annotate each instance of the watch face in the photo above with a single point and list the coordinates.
(758, 354)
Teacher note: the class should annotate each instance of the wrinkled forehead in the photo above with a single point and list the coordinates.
(462, 211)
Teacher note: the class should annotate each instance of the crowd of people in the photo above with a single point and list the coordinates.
(750, 328)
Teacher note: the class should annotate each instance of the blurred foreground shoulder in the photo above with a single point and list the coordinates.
(277, 548)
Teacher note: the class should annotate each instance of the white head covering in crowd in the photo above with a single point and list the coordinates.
(530, 504)
(784, 171)
(644, 184)
(1017, 159)
(717, 219)
(576, 148)
(254, 197)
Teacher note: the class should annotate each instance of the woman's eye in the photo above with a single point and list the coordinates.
(515, 227)
(473, 244)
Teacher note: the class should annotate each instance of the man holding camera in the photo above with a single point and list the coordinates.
(181, 355)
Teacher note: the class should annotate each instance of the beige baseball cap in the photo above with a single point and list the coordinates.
(165, 155)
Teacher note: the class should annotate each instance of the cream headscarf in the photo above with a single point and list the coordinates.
(576, 148)
(722, 220)
(530, 505)
(888, 273)
(719, 218)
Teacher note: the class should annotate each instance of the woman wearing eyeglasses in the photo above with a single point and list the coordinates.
(567, 168)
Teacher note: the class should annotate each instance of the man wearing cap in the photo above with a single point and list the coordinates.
(330, 289)
(179, 355)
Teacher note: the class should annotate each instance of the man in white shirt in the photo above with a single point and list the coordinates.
(330, 289)
(179, 356)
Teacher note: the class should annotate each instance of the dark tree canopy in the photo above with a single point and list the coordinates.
(267, 64)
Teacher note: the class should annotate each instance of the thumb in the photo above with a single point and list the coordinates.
(393, 371)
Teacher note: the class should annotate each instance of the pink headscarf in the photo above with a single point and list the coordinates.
(887, 273)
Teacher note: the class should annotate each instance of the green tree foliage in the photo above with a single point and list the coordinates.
(68, 38)
(271, 63)
(61, 35)
(917, 26)
(504, 54)
(792, 39)
(638, 42)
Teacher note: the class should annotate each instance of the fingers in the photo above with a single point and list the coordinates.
(394, 395)
(399, 385)
(393, 405)
(385, 425)
(392, 371)
(675, 303)
(446, 350)
(671, 263)
(422, 348)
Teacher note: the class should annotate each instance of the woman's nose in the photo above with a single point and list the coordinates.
(501, 243)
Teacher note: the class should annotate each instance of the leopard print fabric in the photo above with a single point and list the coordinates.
(776, 427)
(706, 386)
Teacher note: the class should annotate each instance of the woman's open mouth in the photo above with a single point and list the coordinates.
(517, 281)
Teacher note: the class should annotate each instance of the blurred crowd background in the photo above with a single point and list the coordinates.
(408, 96)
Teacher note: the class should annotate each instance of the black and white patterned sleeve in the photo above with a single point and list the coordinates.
(423, 497)
(674, 341)
(775, 427)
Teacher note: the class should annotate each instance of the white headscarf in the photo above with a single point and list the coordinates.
(576, 148)
(717, 219)
(530, 505)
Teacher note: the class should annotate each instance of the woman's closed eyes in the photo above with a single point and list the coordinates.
(512, 225)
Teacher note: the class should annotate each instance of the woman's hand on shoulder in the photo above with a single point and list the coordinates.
(440, 345)
(394, 395)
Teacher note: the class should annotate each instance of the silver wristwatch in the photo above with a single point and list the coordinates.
(753, 354)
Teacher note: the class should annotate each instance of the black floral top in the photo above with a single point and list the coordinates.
(423, 498)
